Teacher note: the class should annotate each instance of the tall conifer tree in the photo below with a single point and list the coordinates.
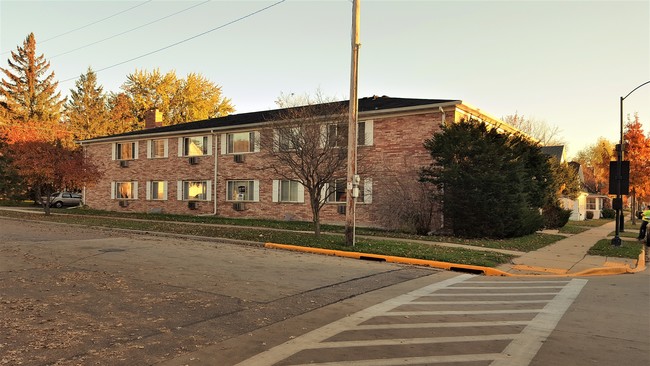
(87, 111)
(29, 91)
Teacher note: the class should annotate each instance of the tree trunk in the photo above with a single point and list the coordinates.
(315, 212)
(47, 200)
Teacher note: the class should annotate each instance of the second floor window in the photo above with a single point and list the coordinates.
(125, 151)
(157, 148)
(195, 146)
(240, 142)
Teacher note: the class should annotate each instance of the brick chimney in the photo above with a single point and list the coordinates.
(152, 118)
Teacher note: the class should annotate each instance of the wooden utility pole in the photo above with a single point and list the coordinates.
(352, 130)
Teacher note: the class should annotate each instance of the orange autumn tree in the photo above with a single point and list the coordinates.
(637, 151)
(45, 158)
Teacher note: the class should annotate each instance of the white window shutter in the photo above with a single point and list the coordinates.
(369, 133)
(180, 146)
(135, 190)
(367, 190)
(256, 191)
(136, 146)
(149, 147)
(208, 190)
(276, 140)
(323, 135)
(166, 148)
(179, 191)
(276, 190)
(113, 150)
(301, 193)
(323, 192)
(113, 189)
(148, 190)
(224, 143)
(210, 144)
(164, 197)
(256, 143)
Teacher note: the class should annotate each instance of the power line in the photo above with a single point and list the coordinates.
(95, 22)
(88, 25)
(185, 40)
(130, 30)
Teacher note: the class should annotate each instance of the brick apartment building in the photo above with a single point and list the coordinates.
(214, 166)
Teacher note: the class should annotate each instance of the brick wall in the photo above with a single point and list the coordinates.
(397, 152)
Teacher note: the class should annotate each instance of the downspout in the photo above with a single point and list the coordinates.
(214, 146)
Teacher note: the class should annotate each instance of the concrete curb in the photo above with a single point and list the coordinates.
(487, 271)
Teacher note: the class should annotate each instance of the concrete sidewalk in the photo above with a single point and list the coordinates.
(569, 257)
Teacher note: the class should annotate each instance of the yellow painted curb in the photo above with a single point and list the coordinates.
(488, 271)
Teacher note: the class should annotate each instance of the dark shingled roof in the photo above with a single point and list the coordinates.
(554, 151)
(367, 104)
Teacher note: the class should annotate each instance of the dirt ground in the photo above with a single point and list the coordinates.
(76, 296)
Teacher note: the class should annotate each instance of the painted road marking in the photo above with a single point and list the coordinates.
(409, 337)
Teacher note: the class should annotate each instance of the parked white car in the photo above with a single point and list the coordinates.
(60, 199)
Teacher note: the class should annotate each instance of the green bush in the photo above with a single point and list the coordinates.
(555, 217)
(608, 213)
(590, 215)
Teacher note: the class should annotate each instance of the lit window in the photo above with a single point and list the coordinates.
(195, 146)
(125, 190)
(196, 190)
(157, 190)
(125, 151)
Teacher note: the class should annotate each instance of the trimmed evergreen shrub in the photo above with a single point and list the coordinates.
(608, 213)
(556, 217)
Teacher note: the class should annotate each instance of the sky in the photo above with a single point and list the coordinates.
(566, 63)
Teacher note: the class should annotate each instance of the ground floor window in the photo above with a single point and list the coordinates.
(242, 190)
(336, 191)
(197, 190)
(124, 190)
(591, 203)
(157, 190)
(288, 191)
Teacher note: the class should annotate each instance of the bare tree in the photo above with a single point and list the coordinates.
(546, 134)
(412, 205)
(308, 144)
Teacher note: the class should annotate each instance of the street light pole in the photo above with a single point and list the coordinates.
(616, 241)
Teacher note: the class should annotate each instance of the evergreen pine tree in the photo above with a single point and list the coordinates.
(29, 92)
(86, 111)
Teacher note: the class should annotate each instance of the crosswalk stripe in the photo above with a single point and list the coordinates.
(413, 360)
(405, 341)
(442, 325)
(461, 312)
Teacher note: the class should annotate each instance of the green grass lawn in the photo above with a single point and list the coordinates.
(628, 249)
(262, 235)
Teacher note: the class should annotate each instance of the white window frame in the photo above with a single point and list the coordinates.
(232, 197)
(277, 190)
(180, 191)
(227, 147)
(150, 190)
(206, 140)
(365, 191)
(151, 150)
(116, 185)
(118, 145)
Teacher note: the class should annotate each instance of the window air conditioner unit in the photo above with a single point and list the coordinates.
(239, 206)
(124, 163)
(194, 160)
(239, 158)
(192, 205)
(124, 203)
(341, 209)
